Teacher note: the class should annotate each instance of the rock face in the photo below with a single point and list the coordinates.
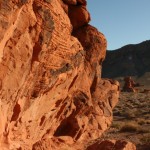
(130, 60)
(52, 96)
(129, 85)
(112, 145)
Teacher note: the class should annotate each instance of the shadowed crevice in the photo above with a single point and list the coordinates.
(16, 112)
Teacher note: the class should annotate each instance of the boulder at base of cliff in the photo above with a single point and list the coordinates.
(112, 145)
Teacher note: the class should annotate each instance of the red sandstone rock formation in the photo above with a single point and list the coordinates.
(129, 85)
(112, 145)
(52, 96)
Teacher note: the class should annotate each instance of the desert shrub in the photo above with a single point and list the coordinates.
(147, 121)
(116, 113)
(146, 139)
(143, 130)
(129, 127)
(116, 125)
(128, 114)
(141, 121)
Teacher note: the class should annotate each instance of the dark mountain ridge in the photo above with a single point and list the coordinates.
(130, 60)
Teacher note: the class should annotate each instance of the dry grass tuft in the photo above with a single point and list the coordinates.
(146, 139)
(129, 127)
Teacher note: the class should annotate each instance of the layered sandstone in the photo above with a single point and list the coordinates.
(52, 96)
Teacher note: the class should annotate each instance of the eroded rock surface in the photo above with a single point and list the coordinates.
(52, 96)
(129, 85)
(112, 145)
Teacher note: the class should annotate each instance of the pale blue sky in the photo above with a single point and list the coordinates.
(121, 21)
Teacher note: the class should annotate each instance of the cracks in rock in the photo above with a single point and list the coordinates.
(106, 108)
(61, 110)
(94, 84)
(70, 125)
(42, 120)
(72, 83)
(36, 50)
(80, 99)
(16, 112)
(65, 68)
(58, 103)
(101, 61)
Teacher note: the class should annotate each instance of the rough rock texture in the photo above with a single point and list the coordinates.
(130, 60)
(51, 92)
(129, 85)
(112, 145)
(78, 14)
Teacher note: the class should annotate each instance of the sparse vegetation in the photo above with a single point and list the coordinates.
(116, 125)
(141, 121)
(146, 139)
(132, 119)
(129, 114)
(129, 127)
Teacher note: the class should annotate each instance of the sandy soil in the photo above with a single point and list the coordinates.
(132, 119)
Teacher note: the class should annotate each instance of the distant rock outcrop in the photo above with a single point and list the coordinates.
(129, 85)
(130, 60)
(52, 96)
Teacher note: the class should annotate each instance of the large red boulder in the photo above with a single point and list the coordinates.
(111, 145)
(79, 16)
(52, 96)
(70, 2)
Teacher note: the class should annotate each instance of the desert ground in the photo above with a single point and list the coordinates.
(132, 118)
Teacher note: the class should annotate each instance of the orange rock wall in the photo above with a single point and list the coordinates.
(51, 92)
